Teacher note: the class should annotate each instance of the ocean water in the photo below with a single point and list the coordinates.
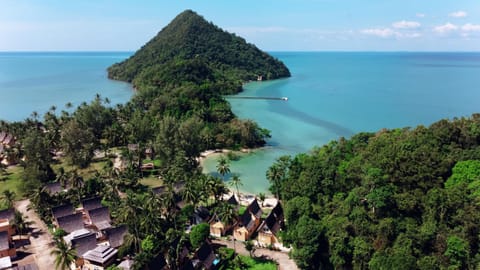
(335, 94)
(330, 95)
(36, 81)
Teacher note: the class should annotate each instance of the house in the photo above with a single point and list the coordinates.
(92, 203)
(99, 258)
(233, 201)
(126, 264)
(5, 263)
(7, 248)
(200, 215)
(249, 222)
(71, 222)
(7, 218)
(268, 230)
(100, 218)
(116, 235)
(204, 257)
(61, 211)
(219, 228)
(255, 209)
(82, 244)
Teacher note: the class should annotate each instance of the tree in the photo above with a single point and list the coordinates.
(21, 224)
(64, 255)
(275, 176)
(78, 143)
(250, 247)
(199, 234)
(262, 197)
(223, 166)
(236, 182)
(8, 197)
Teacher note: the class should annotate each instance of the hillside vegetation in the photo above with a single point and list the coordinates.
(395, 199)
(192, 49)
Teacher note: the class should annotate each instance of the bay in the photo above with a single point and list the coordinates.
(337, 94)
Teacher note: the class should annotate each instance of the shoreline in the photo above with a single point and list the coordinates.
(245, 195)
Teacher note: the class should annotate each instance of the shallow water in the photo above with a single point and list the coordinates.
(338, 94)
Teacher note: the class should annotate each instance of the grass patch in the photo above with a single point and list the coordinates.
(156, 162)
(12, 181)
(85, 173)
(242, 209)
(151, 181)
(258, 264)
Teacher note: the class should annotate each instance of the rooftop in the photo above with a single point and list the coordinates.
(84, 243)
(100, 254)
(62, 210)
(8, 214)
(115, 235)
(71, 223)
(92, 203)
(4, 243)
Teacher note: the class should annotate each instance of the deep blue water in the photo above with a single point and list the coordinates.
(331, 94)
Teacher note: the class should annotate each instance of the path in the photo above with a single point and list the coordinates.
(40, 240)
(284, 262)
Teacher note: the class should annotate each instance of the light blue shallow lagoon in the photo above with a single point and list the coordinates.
(334, 94)
(330, 94)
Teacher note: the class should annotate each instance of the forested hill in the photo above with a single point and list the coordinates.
(192, 46)
(395, 199)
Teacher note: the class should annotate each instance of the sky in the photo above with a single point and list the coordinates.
(272, 25)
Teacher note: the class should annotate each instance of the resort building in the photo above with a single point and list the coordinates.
(204, 258)
(268, 230)
(6, 221)
(249, 222)
(99, 258)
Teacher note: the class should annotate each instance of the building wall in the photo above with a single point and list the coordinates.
(12, 253)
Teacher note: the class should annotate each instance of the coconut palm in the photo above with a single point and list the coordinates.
(223, 166)
(235, 182)
(21, 224)
(8, 197)
(275, 176)
(64, 255)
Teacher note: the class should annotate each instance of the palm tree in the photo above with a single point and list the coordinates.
(235, 182)
(275, 176)
(190, 193)
(226, 213)
(223, 166)
(21, 224)
(64, 255)
(262, 197)
(8, 197)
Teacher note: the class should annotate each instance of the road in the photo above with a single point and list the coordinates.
(41, 242)
(284, 262)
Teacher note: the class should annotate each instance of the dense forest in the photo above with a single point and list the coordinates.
(395, 199)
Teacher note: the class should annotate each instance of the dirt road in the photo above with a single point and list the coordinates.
(40, 240)
(284, 262)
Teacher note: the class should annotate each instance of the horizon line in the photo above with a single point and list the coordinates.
(273, 51)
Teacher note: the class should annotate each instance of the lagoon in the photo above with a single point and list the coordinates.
(336, 94)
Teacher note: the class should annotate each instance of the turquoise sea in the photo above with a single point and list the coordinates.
(330, 94)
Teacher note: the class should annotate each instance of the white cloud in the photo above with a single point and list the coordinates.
(406, 25)
(458, 14)
(389, 33)
(420, 15)
(471, 27)
(446, 28)
(379, 32)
